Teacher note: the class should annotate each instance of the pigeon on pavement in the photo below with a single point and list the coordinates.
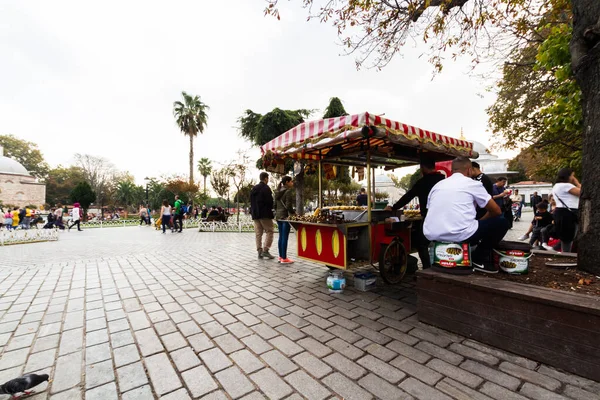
(23, 384)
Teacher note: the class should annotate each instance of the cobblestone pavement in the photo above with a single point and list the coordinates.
(128, 313)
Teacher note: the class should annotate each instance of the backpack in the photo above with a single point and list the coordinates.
(183, 209)
(22, 214)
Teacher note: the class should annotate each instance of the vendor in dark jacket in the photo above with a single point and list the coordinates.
(261, 208)
(421, 190)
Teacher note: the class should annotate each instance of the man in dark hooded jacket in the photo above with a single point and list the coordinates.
(261, 208)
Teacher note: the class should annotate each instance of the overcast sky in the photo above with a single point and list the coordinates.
(100, 78)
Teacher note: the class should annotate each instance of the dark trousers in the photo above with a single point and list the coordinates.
(142, 219)
(75, 223)
(165, 221)
(178, 220)
(489, 233)
(421, 243)
(284, 233)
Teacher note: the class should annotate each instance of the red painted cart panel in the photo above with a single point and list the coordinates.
(323, 244)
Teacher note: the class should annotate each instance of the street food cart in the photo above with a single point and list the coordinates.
(333, 236)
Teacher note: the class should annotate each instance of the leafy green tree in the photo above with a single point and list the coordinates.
(205, 168)
(60, 181)
(191, 119)
(335, 108)
(26, 153)
(84, 195)
(128, 194)
(242, 196)
(407, 181)
(260, 129)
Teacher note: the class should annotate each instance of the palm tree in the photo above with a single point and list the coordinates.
(191, 118)
(205, 168)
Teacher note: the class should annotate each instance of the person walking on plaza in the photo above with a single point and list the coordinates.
(76, 216)
(261, 208)
(165, 215)
(284, 207)
(362, 199)
(143, 215)
(178, 214)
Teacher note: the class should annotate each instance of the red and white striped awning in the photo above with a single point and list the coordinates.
(325, 133)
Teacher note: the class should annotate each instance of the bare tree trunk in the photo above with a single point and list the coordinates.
(204, 185)
(585, 54)
(191, 159)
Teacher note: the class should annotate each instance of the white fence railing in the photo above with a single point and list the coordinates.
(27, 236)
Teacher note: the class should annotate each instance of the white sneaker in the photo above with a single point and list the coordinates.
(548, 247)
(524, 237)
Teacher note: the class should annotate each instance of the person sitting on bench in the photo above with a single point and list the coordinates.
(451, 215)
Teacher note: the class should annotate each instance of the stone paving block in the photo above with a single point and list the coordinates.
(417, 370)
(307, 386)
(163, 376)
(454, 372)
(199, 381)
(345, 348)
(118, 325)
(67, 372)
(290, 331)
(247, 361)
(317, 333)
(499, 393)
(20, 342)
(248, 319)
(94, 354)
(185, 359)
(318, 321)
(239, 330)
(438, 352)
(214, 329)
(346, 388)
(380, 352)
(265, 331)
(344, 334)
(73, 394)
(382, 389)
(345, 366)
(200, 342)
(256, 344)
(281, 364)
(422, 391)
(234, 382)
(459, 391)
(538, 393)
(373, 335)
(270, 384)
(215, 360)
(384, 370)
(119, 339)
(106, 392)
(187, 328)
(13, 358)
(99, 374)
(315, 347)
(474, 354)
(41, 360)
(125, 355)
(173, 341)
(217, 395)
(228, 343)
(312, 365)
(575, 380)
(158, 316)
(440, 339)
(142, 393)
(131, 376)
(530, 376)
(523, 362)
(491, 374)
(148, 342)
(96, 337)
(286, 346)
(579, 394)
(408, 351)
(95, 324)
(138, 320)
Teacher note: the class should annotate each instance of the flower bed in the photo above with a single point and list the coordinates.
(548, 325)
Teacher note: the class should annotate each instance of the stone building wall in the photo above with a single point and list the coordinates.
(21, 190)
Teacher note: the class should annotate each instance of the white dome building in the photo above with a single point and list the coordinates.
(491, 165)
(384, 183)
(17, 186)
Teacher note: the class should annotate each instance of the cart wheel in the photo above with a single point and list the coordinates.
(393, 262)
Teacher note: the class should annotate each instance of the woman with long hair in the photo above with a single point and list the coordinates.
(165, 212)
(566, 194)
(284, 207)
